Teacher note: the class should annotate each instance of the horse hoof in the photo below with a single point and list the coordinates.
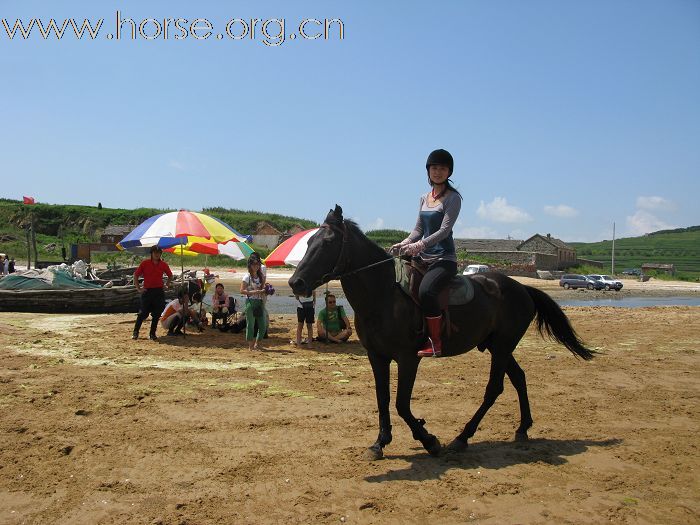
(435, 447)
(521, 436)
(374, 453)
(457, 445)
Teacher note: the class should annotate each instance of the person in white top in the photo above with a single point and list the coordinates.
(253, 288)
(305, 314)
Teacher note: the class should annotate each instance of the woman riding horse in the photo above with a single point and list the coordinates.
(431, 241)
(388, 323)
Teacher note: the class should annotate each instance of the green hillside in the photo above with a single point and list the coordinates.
(680, 247)
(65, 224)
(386, 238)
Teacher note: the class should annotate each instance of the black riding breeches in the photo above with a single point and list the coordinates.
(434, 281)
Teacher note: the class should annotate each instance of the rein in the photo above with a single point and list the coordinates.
(336, 272)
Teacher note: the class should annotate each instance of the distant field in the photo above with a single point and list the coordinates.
(678, 247)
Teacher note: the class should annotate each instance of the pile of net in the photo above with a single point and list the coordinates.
(59, 277)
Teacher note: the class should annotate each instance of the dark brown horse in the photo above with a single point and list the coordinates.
(389, 325)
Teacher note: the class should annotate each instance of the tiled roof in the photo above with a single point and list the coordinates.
(118, 229)
(551, 240)
(487, 245)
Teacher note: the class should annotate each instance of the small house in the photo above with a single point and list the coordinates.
(114, 234)
(266, 235)
(566, 255)
(669, 269)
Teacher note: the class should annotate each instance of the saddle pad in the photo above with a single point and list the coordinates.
(461, 290)
(461, 287)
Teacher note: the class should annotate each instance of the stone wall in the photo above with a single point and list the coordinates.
(524, 264)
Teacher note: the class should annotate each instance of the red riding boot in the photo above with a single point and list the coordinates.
(433, 348)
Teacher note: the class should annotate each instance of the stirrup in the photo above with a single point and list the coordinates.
(429, 350)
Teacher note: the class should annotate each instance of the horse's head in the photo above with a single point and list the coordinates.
(321, 263)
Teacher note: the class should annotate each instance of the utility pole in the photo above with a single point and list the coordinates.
(36, 254)
(612, 271)
(29, 246)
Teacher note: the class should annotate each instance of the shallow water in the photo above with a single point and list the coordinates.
(278, 304)
(632, 302)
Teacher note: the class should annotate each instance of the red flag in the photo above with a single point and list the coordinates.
(29, 200)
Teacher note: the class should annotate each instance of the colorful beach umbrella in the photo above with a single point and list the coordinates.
(291, 251)
(176, 228)
(199, 246)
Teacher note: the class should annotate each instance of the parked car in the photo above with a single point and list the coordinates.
(575, 280)
(475, 268)
(608, 282)
(632, 271)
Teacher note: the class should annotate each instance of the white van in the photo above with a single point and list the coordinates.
(475, 268)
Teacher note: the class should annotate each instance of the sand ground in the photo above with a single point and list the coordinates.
(97, 428)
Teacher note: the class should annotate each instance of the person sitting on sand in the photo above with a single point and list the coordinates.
(332, 324)
(176, 314)
(219, 304)
(305, 314)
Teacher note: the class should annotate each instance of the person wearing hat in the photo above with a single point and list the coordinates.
(431, 241)
(152, 293)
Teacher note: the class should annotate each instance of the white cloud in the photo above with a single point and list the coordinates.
(177, 165)
(644, 222)
(655, 203)
(561, 210)
(498, 210)
(378, 224)
(476, 232)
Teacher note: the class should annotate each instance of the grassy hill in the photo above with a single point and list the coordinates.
(386, 238)
(680, 247)
(65, 224)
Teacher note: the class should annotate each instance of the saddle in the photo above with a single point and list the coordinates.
(460, 290)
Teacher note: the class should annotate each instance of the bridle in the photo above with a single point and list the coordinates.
(343, 259)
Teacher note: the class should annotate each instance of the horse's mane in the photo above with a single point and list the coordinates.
(354, 228)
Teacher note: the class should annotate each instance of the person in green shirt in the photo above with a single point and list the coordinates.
(333, 324)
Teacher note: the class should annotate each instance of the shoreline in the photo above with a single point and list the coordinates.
(631, 287)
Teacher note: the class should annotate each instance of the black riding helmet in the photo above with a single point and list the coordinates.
(441, 157)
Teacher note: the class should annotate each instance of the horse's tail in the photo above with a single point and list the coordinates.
(552, 321)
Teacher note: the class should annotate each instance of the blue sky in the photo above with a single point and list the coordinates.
(563, 117)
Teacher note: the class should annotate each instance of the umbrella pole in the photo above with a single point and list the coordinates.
(182, 283)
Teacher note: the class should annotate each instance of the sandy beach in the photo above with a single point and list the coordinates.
(98, 428)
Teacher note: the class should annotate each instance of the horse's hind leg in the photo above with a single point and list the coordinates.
(407, 378)
(494, 388)
(517, 377)
(381, 371)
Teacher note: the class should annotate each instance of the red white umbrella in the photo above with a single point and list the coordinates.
(291, 251)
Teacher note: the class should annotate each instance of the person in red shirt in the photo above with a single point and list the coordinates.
(152, 293)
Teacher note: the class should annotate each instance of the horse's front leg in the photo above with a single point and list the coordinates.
(381, 371)
(494, 388)
(408, 368)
